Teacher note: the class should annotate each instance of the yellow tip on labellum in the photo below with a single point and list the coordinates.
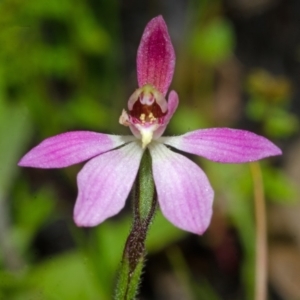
(147, 136)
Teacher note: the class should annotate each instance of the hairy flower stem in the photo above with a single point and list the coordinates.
(261, 234)
(144, 206)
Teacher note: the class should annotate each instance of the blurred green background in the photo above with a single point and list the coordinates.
(70, 65)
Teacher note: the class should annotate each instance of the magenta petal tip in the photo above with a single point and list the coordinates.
(104, 184)
(156, 56)
(69, 148)
(184, 193)
(225, 145)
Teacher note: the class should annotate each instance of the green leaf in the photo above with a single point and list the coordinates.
(30, 213)
(59, 61)
(256, 109)
(106, 249)
(278, 187)
(44, 8)
(214, 43)
(84, 110)
(15, 131)
(162, 233)
(281, 124)
(187, 119)
(90, 37)
(68, 276)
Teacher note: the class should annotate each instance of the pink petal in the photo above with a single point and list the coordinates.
(172, 106)
(104, 184)
(70, 148)
(184, 192)
(224, 145)
(156, 56)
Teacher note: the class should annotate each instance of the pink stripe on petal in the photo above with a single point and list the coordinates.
(156, 56)
(224, 145)
(172, 106)
(70, 148)
(184, 192)
(104, 184)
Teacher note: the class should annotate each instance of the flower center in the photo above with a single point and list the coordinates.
(147, 105)
(147, 108)
(146, 113)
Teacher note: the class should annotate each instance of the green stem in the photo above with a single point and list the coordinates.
(261, 234)
(144, 206)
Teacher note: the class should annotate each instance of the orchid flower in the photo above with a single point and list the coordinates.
(184, 193)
